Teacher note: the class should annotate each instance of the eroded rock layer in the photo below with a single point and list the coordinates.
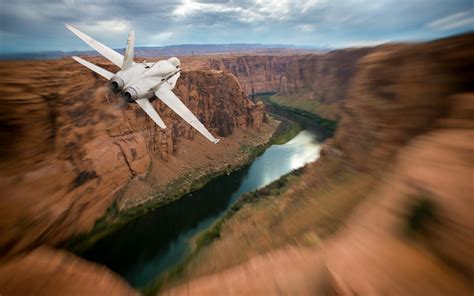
(257, 74)
(69, 145)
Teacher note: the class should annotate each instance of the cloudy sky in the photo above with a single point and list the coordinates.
(37, 25)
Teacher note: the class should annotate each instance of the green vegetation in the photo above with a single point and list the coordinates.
(421, 212)
(304, 102)
(286, 131)
(274, 106)
(275, 188)
(315, 208)
(206, 237)
(114, 218)
(301, 102)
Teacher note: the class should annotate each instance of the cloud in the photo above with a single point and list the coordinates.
(107, 26)
(190, 7)
(160, 38)
(306, 27)
(454, 21)
(248, 11)
(31, 25)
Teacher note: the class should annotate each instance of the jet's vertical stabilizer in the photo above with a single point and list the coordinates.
(128, 58)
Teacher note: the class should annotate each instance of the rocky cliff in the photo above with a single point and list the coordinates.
(400, 92)
(388, 207)
(69, 146)
(327, 76)
(319, 83)
(256, 74)
(316, 83)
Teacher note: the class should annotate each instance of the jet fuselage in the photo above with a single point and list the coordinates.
(138, 81)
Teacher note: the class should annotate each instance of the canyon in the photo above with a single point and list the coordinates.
(385, 210)
(71, 151)
(313, 82)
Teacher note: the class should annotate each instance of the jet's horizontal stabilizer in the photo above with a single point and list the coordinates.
(102, 72)
(148, 108)
(107, 52)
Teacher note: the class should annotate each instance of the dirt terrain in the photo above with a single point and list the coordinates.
(386, 210)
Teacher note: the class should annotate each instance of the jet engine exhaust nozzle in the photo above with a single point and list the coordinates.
(130, 94)
(116, 84)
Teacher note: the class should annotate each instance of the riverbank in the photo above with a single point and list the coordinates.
(306, 119)
(201, 244)
(121, 212)
(119, 215)
(280, 214)
(149, 246)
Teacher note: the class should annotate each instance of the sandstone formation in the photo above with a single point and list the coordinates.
(69, 146)
(405, 146)
(257, 74)
(321, 80)
(327, 75)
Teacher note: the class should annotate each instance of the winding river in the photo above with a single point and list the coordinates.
(151, 244)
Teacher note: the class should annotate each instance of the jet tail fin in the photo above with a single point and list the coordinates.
(128, 57)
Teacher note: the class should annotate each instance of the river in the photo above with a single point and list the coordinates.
(151, 244)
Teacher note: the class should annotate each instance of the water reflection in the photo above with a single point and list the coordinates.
(149, 245)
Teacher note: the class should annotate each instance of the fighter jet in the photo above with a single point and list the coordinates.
(141, 82)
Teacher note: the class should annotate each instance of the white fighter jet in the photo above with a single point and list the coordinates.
(140, 82)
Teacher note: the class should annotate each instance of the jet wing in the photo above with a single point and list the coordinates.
(172, 81)
(102, 72)
(148, 108)
(165, 94)
(107, 52)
